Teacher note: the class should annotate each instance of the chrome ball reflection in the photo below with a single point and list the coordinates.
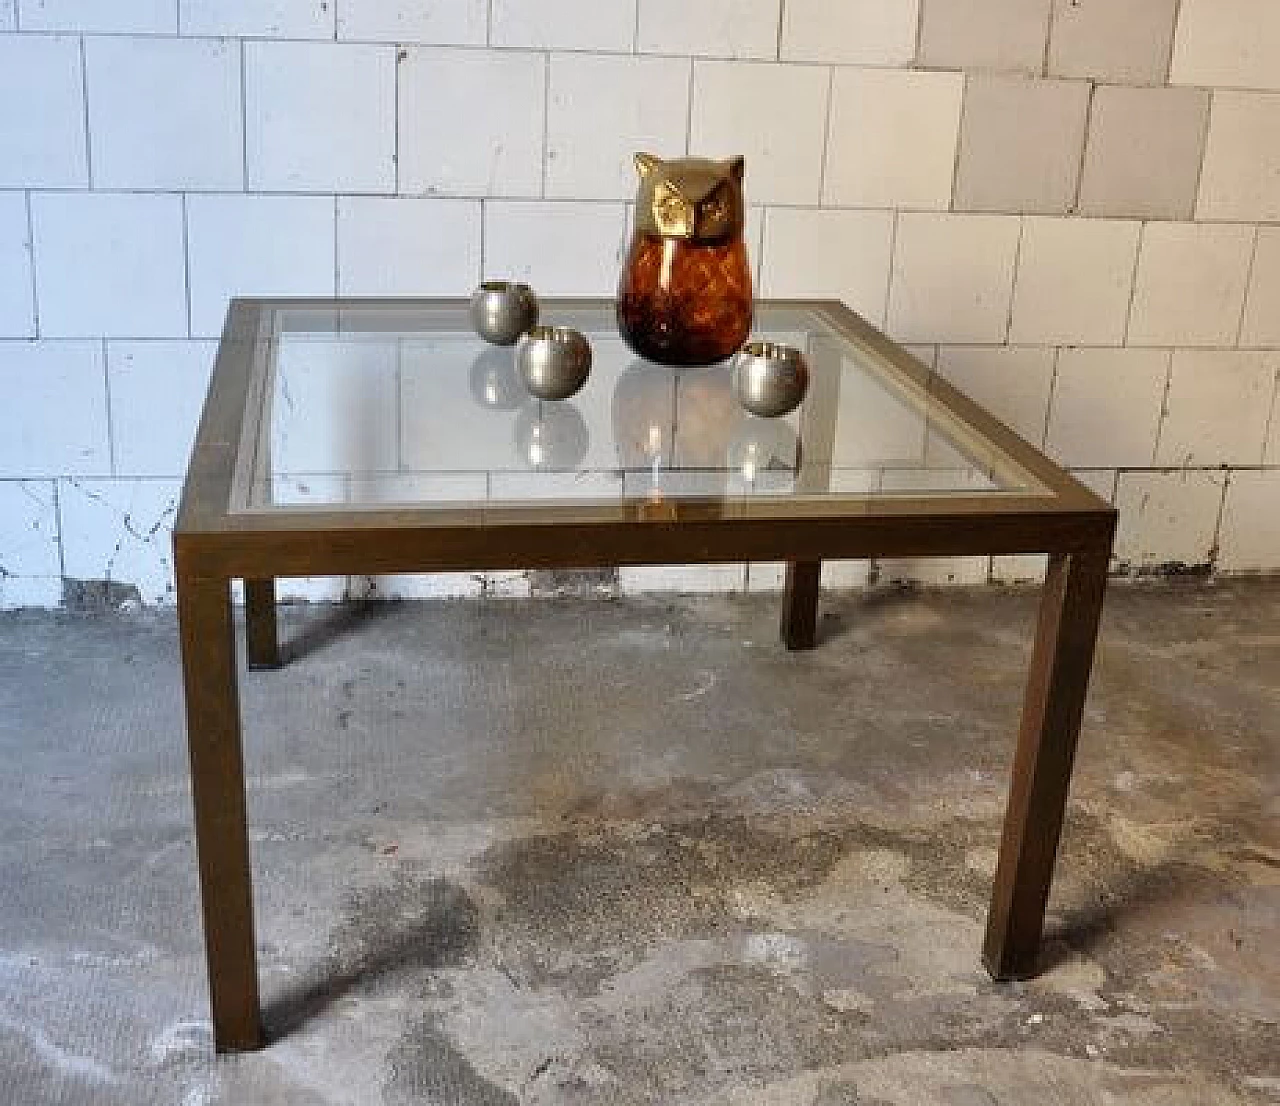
(553, 361)
(769, 378)
(501, 311)
(551, 437)
(763, 445)
(495, 384)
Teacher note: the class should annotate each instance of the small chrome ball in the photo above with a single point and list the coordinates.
(553, 361)
(501, 311)
(769, 379)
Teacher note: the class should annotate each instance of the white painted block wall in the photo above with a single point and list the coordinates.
(1070, 207)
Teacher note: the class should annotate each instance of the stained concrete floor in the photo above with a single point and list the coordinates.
(634, 852)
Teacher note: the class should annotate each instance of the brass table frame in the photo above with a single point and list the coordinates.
(215, 545)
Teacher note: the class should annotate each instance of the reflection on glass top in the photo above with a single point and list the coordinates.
(383, 407)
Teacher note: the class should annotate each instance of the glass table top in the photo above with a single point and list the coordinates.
(363, 407)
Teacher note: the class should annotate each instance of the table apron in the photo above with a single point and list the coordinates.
(263, 553)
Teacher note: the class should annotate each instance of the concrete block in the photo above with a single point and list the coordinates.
(1218, 407)
(434, 439)
(1106, 407)
(392, 488)
(165, 113)
(1227, 44)
(17, 307)
(361, 381)
(407, 246)
(559, 247)
(926, 355)
(934, 571)
(320, 117)
(524, 487)
(30, 591)
(1022, 568)
(1012, 382)
(774, 115)
(1249, 537)
(875, 428)
(109, 264)
(1125, 41)
(1190, 285)
(984, 34)
(137, 17)
(1074, 281)
(711, 29)
(601, 110)
(1241, 175)
(57, 423)
(436, 23)
(259, 18)
(952, 277)
(819, 254)
(564, 24)
(1262, 306)
(256, 246)
(29, 537)
(1020, 144)
(427, 585)
(495, 146)
(120, 531)
(45, 148)
(1167, 519)
(1132, 130)
(146, 377)
(892, 138)
(685, 579)
(1102, 482)
(855, 32)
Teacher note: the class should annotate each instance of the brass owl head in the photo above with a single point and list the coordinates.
(690, 198)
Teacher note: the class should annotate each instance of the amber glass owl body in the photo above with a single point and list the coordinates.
(685, 293)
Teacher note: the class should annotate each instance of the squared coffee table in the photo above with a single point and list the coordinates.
(367, 437)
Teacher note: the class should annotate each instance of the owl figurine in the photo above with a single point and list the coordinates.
(685, 293)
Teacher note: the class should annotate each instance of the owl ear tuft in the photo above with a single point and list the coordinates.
(736, 167)
(647, 164)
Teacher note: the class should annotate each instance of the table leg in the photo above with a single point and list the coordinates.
(261, 635)
(1062, 657)
(217, 786)
(800, 604)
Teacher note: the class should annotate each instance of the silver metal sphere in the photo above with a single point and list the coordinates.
(769, 378)
(502, 311)
(553, 361)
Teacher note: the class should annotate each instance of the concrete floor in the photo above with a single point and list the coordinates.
(633, 852)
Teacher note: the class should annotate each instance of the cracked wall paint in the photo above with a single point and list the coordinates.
(121, 531)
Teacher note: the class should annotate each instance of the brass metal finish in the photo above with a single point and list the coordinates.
(261, 635)
(693, 198)
(221, 535)
(800, 604)
(217, 787)
(1070, 608)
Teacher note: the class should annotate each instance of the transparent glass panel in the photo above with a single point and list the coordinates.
(368, 407)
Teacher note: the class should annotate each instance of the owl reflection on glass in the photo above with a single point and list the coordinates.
(685, 293)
